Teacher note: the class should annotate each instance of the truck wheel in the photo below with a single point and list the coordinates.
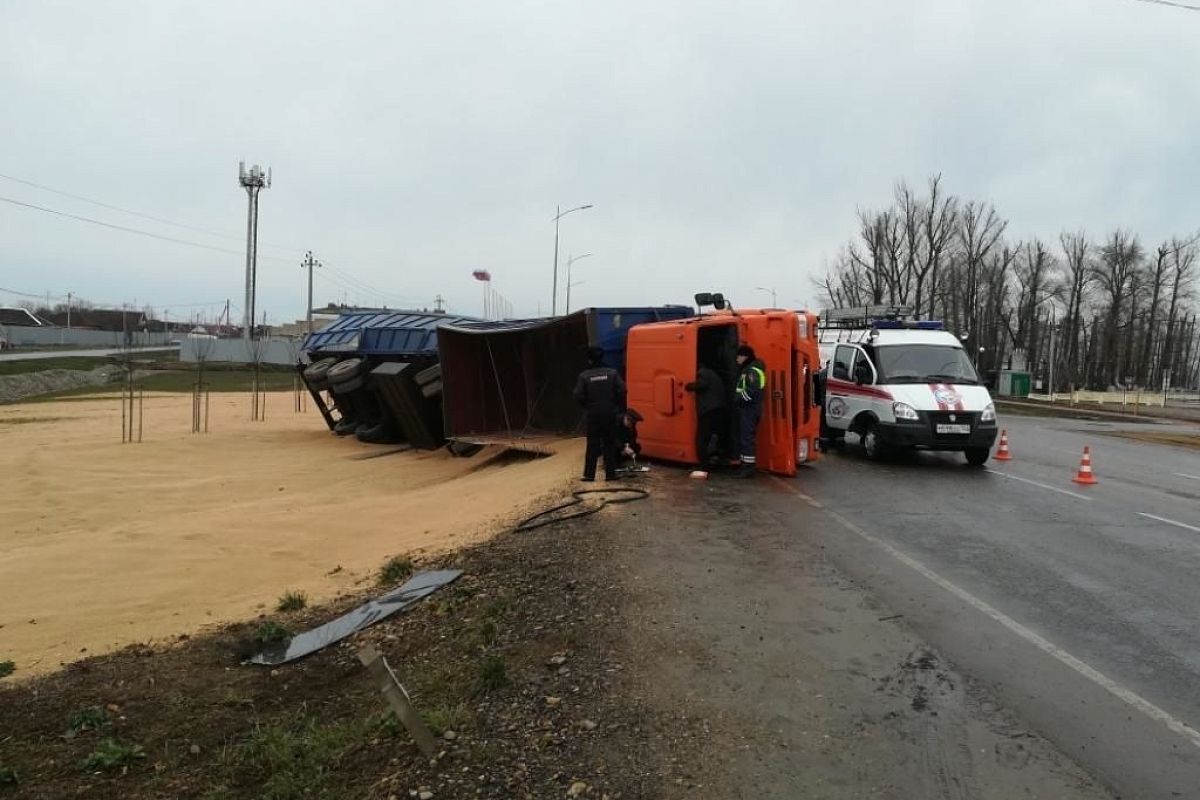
(875, 448)
(977, 456)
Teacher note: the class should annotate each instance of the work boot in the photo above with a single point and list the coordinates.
(745, 471)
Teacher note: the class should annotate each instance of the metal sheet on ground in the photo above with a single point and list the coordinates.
(417, 587)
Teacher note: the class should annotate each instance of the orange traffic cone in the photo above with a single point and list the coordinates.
(1085, 475)
(1003, 454)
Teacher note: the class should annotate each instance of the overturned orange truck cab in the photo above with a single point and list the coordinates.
(663, 357)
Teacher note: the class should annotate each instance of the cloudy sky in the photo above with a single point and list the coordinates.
(723, 146)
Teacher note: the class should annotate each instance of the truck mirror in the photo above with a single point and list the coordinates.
(718, 301)
(704, 299)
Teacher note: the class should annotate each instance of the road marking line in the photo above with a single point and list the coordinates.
(1170, 521)
(1185, 475)
(1045, 645)
(1042, 485)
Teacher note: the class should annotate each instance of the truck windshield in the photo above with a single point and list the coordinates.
(923, 363)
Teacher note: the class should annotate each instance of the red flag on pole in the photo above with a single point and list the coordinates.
(482, 275)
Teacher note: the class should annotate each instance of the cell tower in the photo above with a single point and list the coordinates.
(253, 181)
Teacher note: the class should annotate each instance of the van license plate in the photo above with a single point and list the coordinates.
(953, 428)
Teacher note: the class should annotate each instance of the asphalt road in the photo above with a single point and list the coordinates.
(38, 355)
(1076, 606)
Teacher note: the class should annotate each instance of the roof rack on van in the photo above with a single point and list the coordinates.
(862, 316)
(879, 317)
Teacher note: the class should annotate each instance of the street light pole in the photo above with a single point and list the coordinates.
(571, 260)
(774, 302)
(559, 214)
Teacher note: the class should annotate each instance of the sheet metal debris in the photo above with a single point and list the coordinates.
(417, 587)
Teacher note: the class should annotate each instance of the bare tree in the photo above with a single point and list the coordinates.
(1078, 280)
(1116, 273)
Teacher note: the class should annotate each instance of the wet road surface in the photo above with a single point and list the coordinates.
(1077, 605)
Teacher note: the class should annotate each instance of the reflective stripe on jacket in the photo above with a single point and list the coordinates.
(751, 382)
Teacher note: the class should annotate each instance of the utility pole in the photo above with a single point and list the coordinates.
(253, 181)
(68, 311)
(559, 214)
(570, 261)
(308, 263)
(438, 304)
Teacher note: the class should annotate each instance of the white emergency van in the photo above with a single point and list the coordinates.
(902, 383)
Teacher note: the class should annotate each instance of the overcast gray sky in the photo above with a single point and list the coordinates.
(724, 146)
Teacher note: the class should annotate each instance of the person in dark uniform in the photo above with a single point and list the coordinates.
(627, 436)
(712, 407)
(601, 392)
(751, 385)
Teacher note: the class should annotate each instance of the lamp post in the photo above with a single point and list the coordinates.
(559, 214)
(774, 302)
(571, 260)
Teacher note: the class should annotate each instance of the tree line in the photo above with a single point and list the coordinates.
(1106, 311)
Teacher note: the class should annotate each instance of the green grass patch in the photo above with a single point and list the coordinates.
(271, 631)
(395, 570)
(299, 756)
(92, 718)
(112, 753)
(292, 601)
(487, 632)
(449, 717)
(82, 363)
(493, 674)
(7, 668)
(179, 381)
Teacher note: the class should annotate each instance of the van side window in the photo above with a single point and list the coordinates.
(843, 361)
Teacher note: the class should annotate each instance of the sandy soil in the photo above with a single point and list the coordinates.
(103, 544)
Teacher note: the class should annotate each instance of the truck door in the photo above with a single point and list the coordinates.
(660, 360)
(772, 336)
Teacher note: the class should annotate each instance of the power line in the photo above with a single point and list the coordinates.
(119, 227)
(119, 208)
(1170, 3)
(348, 281)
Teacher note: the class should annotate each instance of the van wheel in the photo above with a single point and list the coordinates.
(977, 456)
(872, 444)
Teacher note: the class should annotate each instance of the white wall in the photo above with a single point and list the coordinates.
(239, 351)
(22, 336)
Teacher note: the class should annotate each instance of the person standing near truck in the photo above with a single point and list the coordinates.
(601, 392)
(751, 384)
(712, 403)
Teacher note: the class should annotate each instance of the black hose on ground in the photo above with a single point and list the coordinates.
(539, 520)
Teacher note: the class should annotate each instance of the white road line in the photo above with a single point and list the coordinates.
(1046, 646)
(1170, 521)
(1185, 475)
(1042, 485)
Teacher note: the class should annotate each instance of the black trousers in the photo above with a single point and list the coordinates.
(601, 441)
(710, 423)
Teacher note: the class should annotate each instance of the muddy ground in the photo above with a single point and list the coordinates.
(689, 645)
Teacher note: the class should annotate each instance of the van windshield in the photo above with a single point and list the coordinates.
(923, 363)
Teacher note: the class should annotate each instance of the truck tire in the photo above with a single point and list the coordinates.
(977, 456)
(874, 447)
